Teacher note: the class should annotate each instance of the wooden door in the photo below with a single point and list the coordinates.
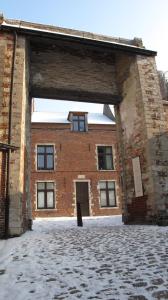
(82, 196)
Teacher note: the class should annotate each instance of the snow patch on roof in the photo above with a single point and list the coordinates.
(61, 118)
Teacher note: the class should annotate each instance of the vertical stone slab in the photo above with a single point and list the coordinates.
(141, 128)
(19, 191)
(20, 136)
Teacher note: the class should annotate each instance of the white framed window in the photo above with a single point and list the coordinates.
(107, 191)
(105, 157)
(45, 195)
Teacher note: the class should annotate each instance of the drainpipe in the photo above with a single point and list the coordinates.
(7, 203)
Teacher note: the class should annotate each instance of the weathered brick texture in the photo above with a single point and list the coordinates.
(75, 155)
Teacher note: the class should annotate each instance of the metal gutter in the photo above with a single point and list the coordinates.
(82, 40)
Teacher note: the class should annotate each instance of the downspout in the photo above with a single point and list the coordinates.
(7, 203)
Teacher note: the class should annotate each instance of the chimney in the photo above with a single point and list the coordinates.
(1, 18)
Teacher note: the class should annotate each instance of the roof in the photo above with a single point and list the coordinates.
(61, 118)
(53, 32)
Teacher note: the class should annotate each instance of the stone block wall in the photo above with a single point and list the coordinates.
(20, 128)
(3, 156)
(142, 133)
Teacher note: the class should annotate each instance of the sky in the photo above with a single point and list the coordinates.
(146, 19)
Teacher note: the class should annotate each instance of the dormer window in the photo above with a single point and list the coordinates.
(78, 121)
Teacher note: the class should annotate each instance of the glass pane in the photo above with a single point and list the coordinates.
(101, 163)
(75, 117)
(111, 198)
(40, 185)
(103, 198)
(50, 196)
(40, 161)
(75, 126)
(108, 150)
(82, 126)
(40, 199)
(40, 149)
(50, 162)
(111, 184)
(81, 117)
(50, 185)
(108, 162)
(100, 150)
(102, 184)
(49, 149)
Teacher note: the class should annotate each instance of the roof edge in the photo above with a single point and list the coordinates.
(28, 28)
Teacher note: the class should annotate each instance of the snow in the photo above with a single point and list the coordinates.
(55, 117)
(101, 260)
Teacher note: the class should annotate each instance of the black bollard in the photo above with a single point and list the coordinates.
(79, 215)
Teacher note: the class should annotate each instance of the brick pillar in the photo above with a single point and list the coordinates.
(19, 160)
(142, 133)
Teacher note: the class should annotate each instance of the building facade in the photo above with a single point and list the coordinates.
(74, 159)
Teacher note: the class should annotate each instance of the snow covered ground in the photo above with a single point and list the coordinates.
(102, 260)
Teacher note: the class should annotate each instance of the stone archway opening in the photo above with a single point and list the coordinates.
(56, 63)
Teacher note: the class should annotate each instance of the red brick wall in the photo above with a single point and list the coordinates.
(2, 192)
(75, 156)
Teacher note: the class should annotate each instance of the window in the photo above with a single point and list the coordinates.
(45, 195)
(45, 157)
(78, 122)
(105, 158)
(107, 194)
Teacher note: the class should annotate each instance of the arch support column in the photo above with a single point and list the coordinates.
(143, 140)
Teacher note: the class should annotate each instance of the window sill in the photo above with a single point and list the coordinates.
(41, 171)
(45, 209)
(109, 207)
(113, 170)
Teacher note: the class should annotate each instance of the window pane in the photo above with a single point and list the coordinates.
(50, 185)
(75, 126)
(40, 199)
(82, 126)
(103, 198)
(50, 162)
(50, 196)
(40, 149)
(40, 185)
(75, 117)
(108, 150)
(101, 163)
(49, 149)
(111, 184)
(112, 198)
(40, 161)
(81, 117)
(108, 162)
(102, 184)
(100, 150)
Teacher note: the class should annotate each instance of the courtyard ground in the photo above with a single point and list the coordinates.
(102, 260)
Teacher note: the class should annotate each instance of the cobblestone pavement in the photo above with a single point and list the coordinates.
(98, 261)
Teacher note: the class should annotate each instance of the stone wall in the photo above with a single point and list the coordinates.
(20, 127)
(3, 156)
(62, 71)
(142, 134)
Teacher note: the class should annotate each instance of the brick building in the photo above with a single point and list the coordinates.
(74, 159)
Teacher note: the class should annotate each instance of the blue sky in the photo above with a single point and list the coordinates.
(147, 19)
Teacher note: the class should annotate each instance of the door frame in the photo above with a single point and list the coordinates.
(89, 198)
